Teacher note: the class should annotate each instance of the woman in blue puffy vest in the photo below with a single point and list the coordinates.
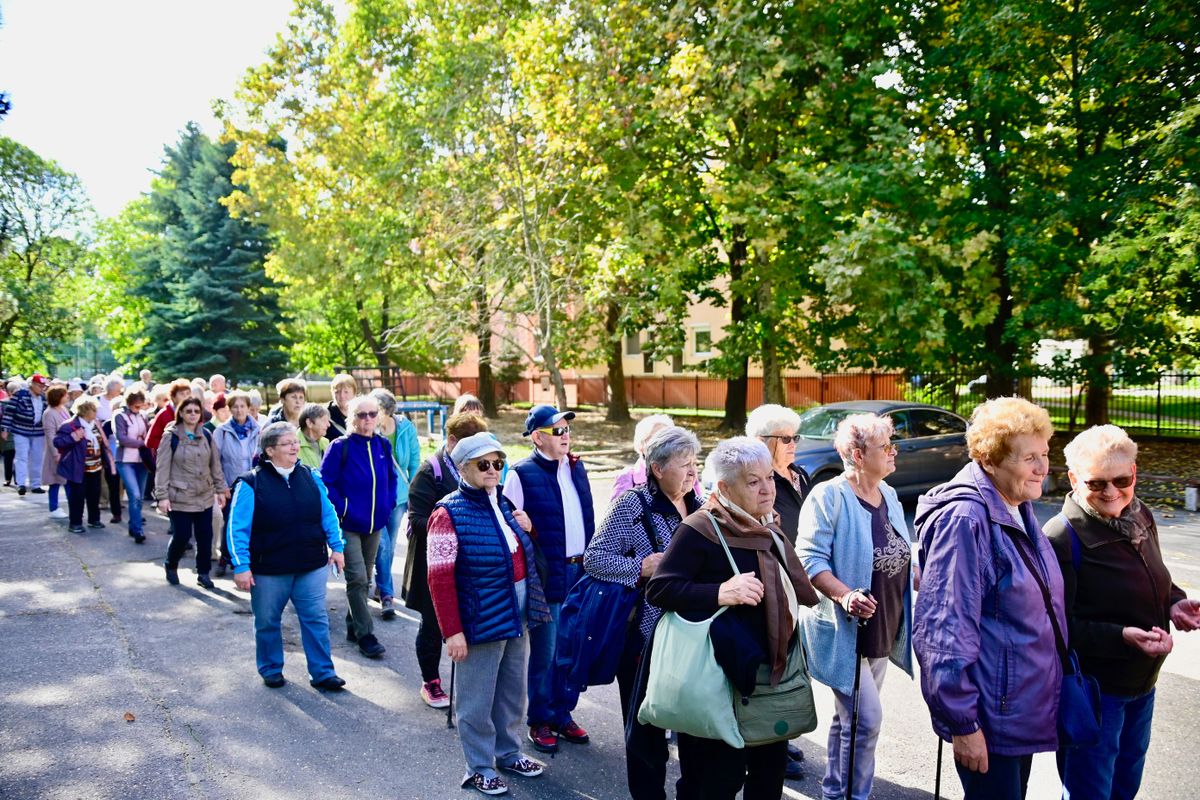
(487, 594)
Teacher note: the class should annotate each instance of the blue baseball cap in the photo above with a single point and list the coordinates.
(545, 417)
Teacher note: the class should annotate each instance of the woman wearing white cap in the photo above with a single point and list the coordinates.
(486, 592)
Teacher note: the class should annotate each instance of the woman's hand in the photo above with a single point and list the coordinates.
(1186, 615)
(220, 499)
(858, 604)
(456, 646)
(523, 520)
(971, 751)
(164, 506)
(78, 434)
(1154, 642)
(243, 580)
(741, 590)
(338, 560)
(650, 563)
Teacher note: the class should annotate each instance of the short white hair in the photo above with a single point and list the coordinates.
(857, 431)
(646, 427)
(1099, 446)
(14, 386)
(359, 402)
(770, 419)
(731, 458)
(255, 397)
(668, 444)
(464, 400)
(217, 377)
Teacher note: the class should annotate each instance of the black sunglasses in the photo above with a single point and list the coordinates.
(484, 465)
(784, 439)
(1123, 482)
(560, 431)
(367, 414)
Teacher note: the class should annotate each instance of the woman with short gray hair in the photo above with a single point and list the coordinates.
(694, 579)
(635, 475)
(776, 426)
(626, 549)
(1120, 604)
(854, 544)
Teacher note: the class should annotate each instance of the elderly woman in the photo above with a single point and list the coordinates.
(314, 424)
(626, 549)
(436, 478)
(401, 434)
(344, 389)
(854, 546)
(256, 404)
(131, 429)
(281, 530)
(467, 403)
(292, 397)
(1120, 602)
(776, 426)
(990, 668)
(84, 455)
(694, 579)
(189, 478)
(54, 417)
(237, 442)
(635, 474)
(486, 592)
(7, 448)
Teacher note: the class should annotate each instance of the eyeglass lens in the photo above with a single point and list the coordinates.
(485, 465)
(367, 414)
(1123, 482)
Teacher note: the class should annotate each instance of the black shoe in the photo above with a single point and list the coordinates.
(96, 525)
(172, 575)
(795, 771)
(370, 647)
(21, 490)
(75, 529)
(274, 681)
(331, 684)
(205, 581)
(795, 753)
(116, 520)
(139, 539)
(38, 490)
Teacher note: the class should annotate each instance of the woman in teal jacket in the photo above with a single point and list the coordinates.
(401, 434)
(854, 544)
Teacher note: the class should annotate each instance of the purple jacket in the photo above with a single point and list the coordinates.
(73, 454)
(980, 629)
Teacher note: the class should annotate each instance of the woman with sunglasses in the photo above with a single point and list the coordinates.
(187, 480)
(854, 544)
(776, 426)
(486, 593)
(1120, 604)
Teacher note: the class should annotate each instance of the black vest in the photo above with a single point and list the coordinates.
(286, 536)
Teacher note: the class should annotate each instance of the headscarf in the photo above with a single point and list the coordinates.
(241, 431)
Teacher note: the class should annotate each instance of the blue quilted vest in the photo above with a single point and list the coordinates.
(483, 571)
(543, 504)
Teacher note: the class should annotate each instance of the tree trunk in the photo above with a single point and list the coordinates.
(736, 385)
(618, 403)
(1099, 382)
(483, 332)
(556, 378)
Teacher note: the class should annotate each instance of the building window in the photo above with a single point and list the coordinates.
(647, 363)
(702, 340)
(633, 344)
(677, 363)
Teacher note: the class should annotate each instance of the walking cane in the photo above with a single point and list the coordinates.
(937, 779)
(858, 651)
(450, 708)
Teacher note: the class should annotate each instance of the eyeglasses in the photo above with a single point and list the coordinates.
(191, 410)
(1099, 485)
(367, 414)
(888, 448)
(559, 431)
(484, 465)
(783, 439)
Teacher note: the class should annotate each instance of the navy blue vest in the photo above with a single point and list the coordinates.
(543, 504)
(286, 536)
(483, 570)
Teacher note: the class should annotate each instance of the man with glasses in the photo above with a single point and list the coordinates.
(361, 479)
(551, 486)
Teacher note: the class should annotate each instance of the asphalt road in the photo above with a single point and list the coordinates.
(90, 632)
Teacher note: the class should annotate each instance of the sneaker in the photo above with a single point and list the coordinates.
(274, 681)
(76, 529)
(59, 513)
(389, 608)
(572, 733)
(205, 581)
(172, 572)
(525, 767)
(97, 524)
(331, 684)
(21, 490)
(795, 753)
(794, 771)
(38, 490)
(139, 538)
(432, 694)
(493, 785)
(370, 647)
(543, 738)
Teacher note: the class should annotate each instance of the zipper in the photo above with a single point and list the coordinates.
(371, 461)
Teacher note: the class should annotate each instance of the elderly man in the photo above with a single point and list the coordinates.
(551, 486)
(147, 379)
(217, 384)
(23, 424)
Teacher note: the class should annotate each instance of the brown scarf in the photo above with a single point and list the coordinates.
(742, 532)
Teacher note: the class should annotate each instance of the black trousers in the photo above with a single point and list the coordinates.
(185, 524)
(115, 487)
(429, 645)
(712, 770)
(646, 752)
(10, 461)
(86, 492)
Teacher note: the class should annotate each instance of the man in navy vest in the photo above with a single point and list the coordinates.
(551, 486)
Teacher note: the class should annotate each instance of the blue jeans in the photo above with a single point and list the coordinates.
(870, 719)
(52, 497)
(387, 552)
(133, 475)
(268, 596)
(1007, 778)
(1112, 769)
(549, 703)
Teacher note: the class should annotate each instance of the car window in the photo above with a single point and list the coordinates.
(821, 423)
(927, 422)
(900, 425)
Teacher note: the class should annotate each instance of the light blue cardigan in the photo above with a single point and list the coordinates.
(835, 536)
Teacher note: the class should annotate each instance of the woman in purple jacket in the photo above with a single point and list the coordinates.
(83, 456)
(990, 668)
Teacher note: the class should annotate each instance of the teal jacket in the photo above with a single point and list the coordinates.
(835, 536)
(406, 453)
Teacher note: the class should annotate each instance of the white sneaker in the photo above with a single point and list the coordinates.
(59, 513)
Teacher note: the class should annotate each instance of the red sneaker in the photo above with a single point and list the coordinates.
(572, 733)
(543, 738)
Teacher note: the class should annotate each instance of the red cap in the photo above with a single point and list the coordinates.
(39, 378)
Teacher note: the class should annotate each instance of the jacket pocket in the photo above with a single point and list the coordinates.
(1004, 675)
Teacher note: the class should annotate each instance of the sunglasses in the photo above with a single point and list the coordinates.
(1123, 482)
(485, 465)
(367, 414)
(890, 449)
(559, 431)
(783, 439)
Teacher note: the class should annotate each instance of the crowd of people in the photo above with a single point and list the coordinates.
(502, 560)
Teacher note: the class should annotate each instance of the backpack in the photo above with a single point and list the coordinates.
(175, 439)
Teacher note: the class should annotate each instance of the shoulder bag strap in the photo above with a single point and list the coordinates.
(721, 538)
(648, 523)
(1059, 640)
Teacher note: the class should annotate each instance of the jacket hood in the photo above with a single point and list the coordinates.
(971, 483)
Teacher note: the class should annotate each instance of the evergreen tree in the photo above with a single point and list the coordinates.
(213, 307)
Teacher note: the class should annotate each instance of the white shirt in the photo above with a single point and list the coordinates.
(572, 508)
(1016, 515)
(509, 535)
(103, 409)
(39, 405)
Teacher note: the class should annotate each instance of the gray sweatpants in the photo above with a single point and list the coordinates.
(360, 560)
(489, 699)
